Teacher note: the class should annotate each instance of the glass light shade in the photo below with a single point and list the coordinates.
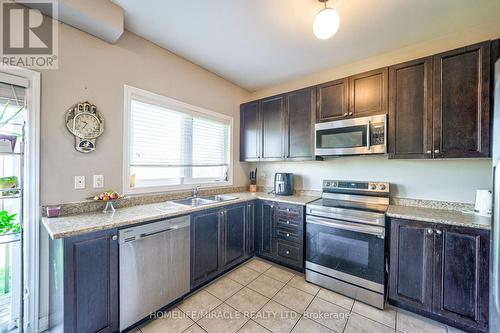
(326, 23)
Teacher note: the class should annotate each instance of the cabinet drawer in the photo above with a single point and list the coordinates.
(290, 211)
(289, 234)
(284, 221)
(289, 252)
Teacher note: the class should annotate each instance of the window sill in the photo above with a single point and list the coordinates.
(174, 188)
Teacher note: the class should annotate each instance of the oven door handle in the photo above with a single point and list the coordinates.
(368, 135)
(365, 229)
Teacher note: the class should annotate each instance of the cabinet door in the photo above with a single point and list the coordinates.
(249, 132)
(461, 275)
(300, 119)
(411, 259)
(272, 111)
(410, 109)
(333, 100)
(462, 102)
(264, 221)
(205, 244)
(234, 239)
(368, 93)
(91, 282)
(250, 238)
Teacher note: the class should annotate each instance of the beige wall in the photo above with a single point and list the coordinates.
(91, 69)
(446, 180)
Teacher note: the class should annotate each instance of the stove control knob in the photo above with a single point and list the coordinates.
(381, 187)
(373, 187)
(327, 184)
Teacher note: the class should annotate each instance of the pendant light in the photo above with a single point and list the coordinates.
(326, 23)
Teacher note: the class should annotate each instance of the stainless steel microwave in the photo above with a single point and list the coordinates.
(357, 136)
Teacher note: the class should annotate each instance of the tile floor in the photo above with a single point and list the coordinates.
(261, 297)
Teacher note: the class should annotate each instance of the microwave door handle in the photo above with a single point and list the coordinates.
(340, 225)
(368, 135)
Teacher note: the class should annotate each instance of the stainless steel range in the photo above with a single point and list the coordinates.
(345, 248)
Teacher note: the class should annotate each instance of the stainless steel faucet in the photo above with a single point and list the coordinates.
(196, 190)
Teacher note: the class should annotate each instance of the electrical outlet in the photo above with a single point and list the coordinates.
(79, 182)
(98, 181)
(262, 176)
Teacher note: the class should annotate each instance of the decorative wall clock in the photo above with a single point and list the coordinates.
(86, 123)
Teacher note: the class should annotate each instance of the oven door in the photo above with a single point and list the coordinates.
(357, 136)
(351, 252)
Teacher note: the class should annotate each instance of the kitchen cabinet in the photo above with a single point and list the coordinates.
(368, 93)
(440, 271)
(234, 235)
(440, 105)
(250, 131)
(461, 102)
(410, 109)
(299, 124)
(280, 233)
(411, 252)
(279, 127)
(272, 113)
(205, 245)
(220, 240)
(84, 282)
(333, 100)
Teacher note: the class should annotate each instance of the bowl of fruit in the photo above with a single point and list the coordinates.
(108, 197)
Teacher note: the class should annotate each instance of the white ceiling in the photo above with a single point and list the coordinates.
(259, 43)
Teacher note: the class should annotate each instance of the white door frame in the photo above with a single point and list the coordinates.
(32, 196)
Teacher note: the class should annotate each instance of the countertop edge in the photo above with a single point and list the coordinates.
(182, 211)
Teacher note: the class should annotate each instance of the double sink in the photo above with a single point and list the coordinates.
(203, 200)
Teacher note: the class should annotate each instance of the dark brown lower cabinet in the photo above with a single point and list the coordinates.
(279, 233)
(220, 240)
(84, 283)
(440, 271)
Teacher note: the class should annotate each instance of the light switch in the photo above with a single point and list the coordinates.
(79, 182)
(98, 181)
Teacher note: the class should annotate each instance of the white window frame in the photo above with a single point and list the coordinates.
(166, 102)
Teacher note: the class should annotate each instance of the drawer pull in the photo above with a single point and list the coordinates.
(287, 235)
(287, 252)
(287, 222)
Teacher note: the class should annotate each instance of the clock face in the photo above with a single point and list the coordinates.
(87, 126)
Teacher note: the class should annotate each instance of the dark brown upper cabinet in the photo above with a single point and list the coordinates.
(410, 109)
(461, 102)
(368, 93)
(249, 131)
(272, 124)
(333, 100)
(279, 127)
(299, 124)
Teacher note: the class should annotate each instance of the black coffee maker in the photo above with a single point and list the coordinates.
(284, 183)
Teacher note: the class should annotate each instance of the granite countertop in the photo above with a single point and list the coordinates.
(451, 217)
(74, 225)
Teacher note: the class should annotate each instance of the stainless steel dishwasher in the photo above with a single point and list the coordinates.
(154, 267)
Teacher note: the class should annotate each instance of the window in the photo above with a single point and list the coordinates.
(173, 145)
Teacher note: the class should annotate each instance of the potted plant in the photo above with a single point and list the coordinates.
(8, 139)
(7, 224)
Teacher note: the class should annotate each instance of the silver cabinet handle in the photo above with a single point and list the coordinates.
(287, 252)
(350, 113)
(438, 232)
(287, 222)
(115, 237)
(429, 152)
(430, 231)
(436, 151)
(287, 235)
(345, 114)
